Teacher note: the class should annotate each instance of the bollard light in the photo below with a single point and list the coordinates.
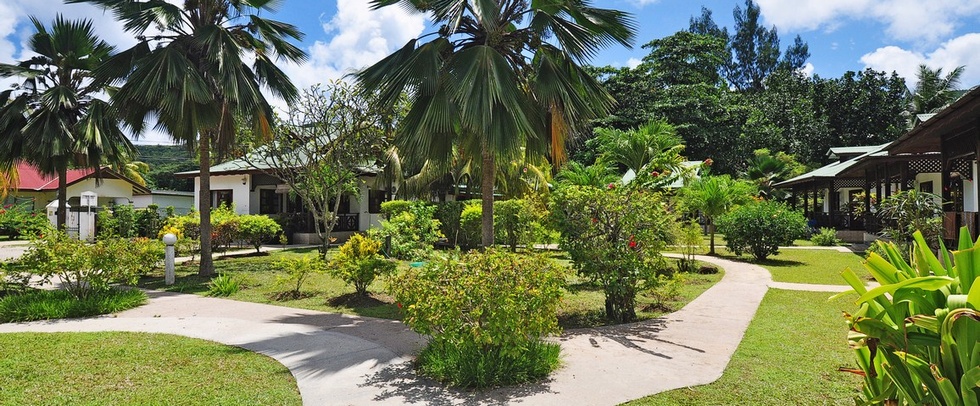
(169, 239)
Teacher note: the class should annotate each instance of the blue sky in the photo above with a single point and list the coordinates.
(341, 35)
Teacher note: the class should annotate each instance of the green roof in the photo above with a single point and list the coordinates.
(832, 170)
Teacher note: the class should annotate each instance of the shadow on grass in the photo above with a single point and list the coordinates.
(775, 262)
(188, 283)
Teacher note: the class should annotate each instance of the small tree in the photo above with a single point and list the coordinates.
(713, 196)
(762, 228)
(614, 237)
(257, 229)
(513, 222)
(328, 139)
(359, 262)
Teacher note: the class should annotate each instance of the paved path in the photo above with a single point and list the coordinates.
(349, 360)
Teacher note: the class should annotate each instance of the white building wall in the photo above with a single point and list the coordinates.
(235, 183)
(970, 192)
(110, 190)
(937, 183)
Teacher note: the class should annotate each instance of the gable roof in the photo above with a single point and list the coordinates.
(31, 179)
(831, 171)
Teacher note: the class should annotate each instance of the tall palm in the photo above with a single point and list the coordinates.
(54, 119)
(714, 196)
(191, 75)
(934, 91)
(500, 77)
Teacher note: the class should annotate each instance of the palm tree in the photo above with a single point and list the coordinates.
(714, 196)
(135, 171)
(766, 171)
(598, 175)
(499, 77)
(53, 120)
(933, 91)
(654, 146)
(191, 75)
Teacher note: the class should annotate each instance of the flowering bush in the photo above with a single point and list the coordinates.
(486, 313)
(17, 220)
(614, 238)
(761, 228)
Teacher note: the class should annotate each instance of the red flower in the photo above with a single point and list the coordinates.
(399, 304)
(611, 186)
(654, 174)
(708, 162)
(632, 243)
(595, 220)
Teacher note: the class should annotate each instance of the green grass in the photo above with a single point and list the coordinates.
(809, 265)
(136, 369)
(59, 304)
(789, 356)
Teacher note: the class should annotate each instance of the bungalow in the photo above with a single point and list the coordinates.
(250, 190)
(38, 190)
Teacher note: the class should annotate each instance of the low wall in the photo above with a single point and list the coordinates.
(312, 238)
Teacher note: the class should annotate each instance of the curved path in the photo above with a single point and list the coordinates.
(340, 359)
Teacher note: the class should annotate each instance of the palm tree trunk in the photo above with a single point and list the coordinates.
(62, 212)
(204, 201)
(486, 189)
(711, 230)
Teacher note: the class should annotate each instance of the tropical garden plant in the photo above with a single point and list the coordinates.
(189, 69)
(409, 234)
(904, 213)
(713, 196)
(359, 262)
(761, 228)
(487, 313)
(298, 271)
(916, 337)
(501, 78)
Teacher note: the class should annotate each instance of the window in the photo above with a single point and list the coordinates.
(375, 198)
(219, 197)
(269, 201)
(925, 187)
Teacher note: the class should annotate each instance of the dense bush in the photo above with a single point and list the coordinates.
(761, 228)
(448, 214)
(825, 237)
(916, 337)
(486, 313)
(19, 221)
(359, 262)
(257, 230)
(471, 224)
(411, 233)
(86, 268)
(297, 271)
(59, 304)
(904, 213)
(513, 222)
(614, 237)
(395, 207)
(148, 221)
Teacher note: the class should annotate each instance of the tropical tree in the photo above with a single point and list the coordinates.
(53, 120)
(190, 73)
(714, 196)
(499, 77)
(933, 91)
(576, 174)
(135, 171)
(654, 146)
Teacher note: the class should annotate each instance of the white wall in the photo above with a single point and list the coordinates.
(110, 190)
(240, 192)
(970, 192)
(937, 183)
(181, 203)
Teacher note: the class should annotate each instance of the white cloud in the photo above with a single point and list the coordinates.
(960, 51)
(908, 20)
(633, 63)
(358, 37)
(642, 3)
(807, 69)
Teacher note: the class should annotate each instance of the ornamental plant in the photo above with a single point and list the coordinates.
(614, 237)
(761, 228)
(296, 272)
(359, 262)
(513, 222)
(411, 232)
(916, 337)
(257, 230)
(487, 314)
(470, 224)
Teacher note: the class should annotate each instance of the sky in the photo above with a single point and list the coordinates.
(344, 35)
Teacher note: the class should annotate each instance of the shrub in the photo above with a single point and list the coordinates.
(513, 222)
(19, 221)
(59, 304)
(359, 262)
(13, 279)
(224, 226)
(448, 215)
(761, 228)
(148, 222)
(691, 242)
(224, 285)
(412, 233)
(614, 238)
(297, 271)
(257, 229)
(486, 313)
(825, 237)
(395, 207)
(87, 268)
(916, 337)
(904, 213)
(471, 224)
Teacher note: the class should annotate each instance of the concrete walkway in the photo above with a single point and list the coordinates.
(339, 359)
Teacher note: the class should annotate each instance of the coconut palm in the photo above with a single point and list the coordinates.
(53, 120)
(499, 77)
(933, 91)
(188, 70)
(714, 196)
(135, 171)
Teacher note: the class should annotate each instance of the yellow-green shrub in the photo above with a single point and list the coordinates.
(359, 262)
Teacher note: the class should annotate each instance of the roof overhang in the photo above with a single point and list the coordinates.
(961, 115)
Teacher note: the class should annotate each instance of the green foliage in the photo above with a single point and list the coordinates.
(395, 207)
(713, 196)
(448, 214)
(298, 270)
(18, 221)
(148, 222)
(761, 228)
(164, 161)
(916, 336)
(13, 279)
(825, 237)
(90, 268)
(689, 237)
(470, 224)
(224, 285)
(412, 232)
(614, 238)
(904, 213)
(257, 229)
(487, 313)
(60, 304)
(359, 262)
(513, 222)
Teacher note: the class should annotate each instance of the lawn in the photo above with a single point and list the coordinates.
(810, 265)
(137, 369)
(582, 305)
(789, 356)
